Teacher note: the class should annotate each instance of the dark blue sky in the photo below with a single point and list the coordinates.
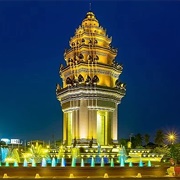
(33, 36)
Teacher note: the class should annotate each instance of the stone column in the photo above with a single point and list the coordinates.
(83, 119)
(114, 125)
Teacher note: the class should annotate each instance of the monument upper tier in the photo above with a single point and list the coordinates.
(90, 36)
(91, 56)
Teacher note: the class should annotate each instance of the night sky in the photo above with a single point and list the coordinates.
(33, 36)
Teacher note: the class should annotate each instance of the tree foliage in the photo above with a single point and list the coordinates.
(162, 150)
(146, 138)
(175, 152)
(2, 143)
(159, 137)
(137, 140)
(123, 142)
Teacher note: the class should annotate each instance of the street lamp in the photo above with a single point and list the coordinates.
(171, 137)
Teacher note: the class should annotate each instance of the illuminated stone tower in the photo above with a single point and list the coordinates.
(91, 90)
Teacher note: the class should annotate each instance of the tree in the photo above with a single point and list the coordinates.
(146, 138)
(159, 137)
(162, 150)
(137, 140)
(123, 142)
(2, 143)
(175, 152)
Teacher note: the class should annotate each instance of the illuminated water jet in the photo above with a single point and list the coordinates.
(25, 164)
(112, 162)
(62, 162)
(43, 163)
(140, 163)
(53, 162)
(15, 164)
(33, 163)
(92, 162)
(121, 161)
(149, 163)
(102, 162)
(7, 164)
(130, 164)
(73, 163)
(82, 162)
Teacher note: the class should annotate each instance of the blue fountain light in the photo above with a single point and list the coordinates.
(122, 156)
(43, 163)
(15, 164)
(140, 163)
(102, 162)
(130, 164)
(112, 162)
(33, 163)
(82, 162)
(73, 163)
(3, 153)
(92, 162)
(149, 164)
(62, 162)
(25, 164)
(53, 162)
(7, 164)
(121, 161)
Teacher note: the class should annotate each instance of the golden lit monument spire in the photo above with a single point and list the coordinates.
(91, 90)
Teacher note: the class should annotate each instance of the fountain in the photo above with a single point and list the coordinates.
(130, 164)
(16, 164)
(25, 164)
(7, 164)
(82, 162)
(43, 163)
(53, 162)
(33, 163)
(121, 161)
(122, 156)
(92, 162)
(73, 163)
(12, 157)
(62, 162)
(3, 153)
(149, 163)
(140, 163)
(102, 162)
(112, 162)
